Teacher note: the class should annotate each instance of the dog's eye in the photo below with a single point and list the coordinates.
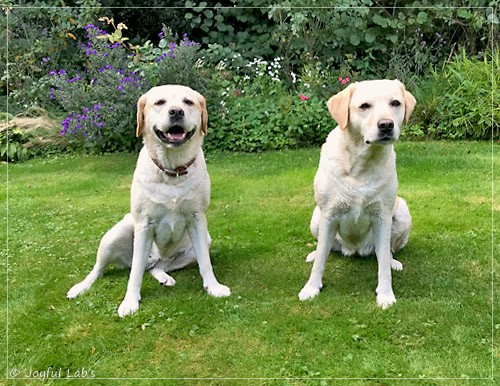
(188, 102)
(395, 103)
(365, 106)
(160, 102)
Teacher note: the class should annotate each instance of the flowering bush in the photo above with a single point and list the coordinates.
(251, 110)
(101, 100)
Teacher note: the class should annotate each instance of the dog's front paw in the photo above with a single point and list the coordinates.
(309, 291)
(77, 290)
(396, 265)
(128, 307)
(385, 299)
(310, 257)
(218, 290)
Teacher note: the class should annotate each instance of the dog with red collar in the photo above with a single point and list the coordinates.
(166, 229)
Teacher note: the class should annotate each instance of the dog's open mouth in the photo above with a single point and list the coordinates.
(175, 135)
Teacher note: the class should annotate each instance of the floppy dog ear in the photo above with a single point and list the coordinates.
(140, 115)
(338, 105)
(410, 101)
(204, 115)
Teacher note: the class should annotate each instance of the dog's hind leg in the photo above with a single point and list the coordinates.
(183, 257)
(163, 278)
(116, 246)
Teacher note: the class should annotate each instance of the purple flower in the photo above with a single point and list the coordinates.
(52, 73)
(61, 72)
(65, 124)
(160, 58)
(76, 78)
(161, 35)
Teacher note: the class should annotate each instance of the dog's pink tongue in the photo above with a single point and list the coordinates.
(176, 136)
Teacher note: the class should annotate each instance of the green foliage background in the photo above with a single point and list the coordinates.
(446, 55)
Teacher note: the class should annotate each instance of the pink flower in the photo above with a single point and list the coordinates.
(303, 97)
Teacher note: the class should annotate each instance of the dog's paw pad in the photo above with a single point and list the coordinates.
(308, 292)
(218, 291)
(396, 265)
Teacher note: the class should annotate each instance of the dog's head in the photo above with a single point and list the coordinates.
(373, 110)
(172, 115)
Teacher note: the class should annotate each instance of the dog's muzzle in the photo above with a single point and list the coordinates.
(386, 134)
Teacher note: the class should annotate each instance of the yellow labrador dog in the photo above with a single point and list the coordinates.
(358, 210)
(167, 227)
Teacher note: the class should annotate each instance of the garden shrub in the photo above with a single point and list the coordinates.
(12, 140)
(245, 27)
(101, 100)
(461, 101)
(267, 71)
(37, 32)
(31, 134)
(251, 110)
(368, 38)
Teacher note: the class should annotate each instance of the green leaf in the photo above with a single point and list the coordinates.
(421, 17)
(370, 36)
(392, 38)
(200, 7)
(381, 21)
(464, 13)
(355, 40)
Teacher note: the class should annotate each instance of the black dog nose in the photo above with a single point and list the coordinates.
(385, 125)
(176, 113)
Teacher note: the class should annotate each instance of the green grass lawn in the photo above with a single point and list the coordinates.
(441, 326)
